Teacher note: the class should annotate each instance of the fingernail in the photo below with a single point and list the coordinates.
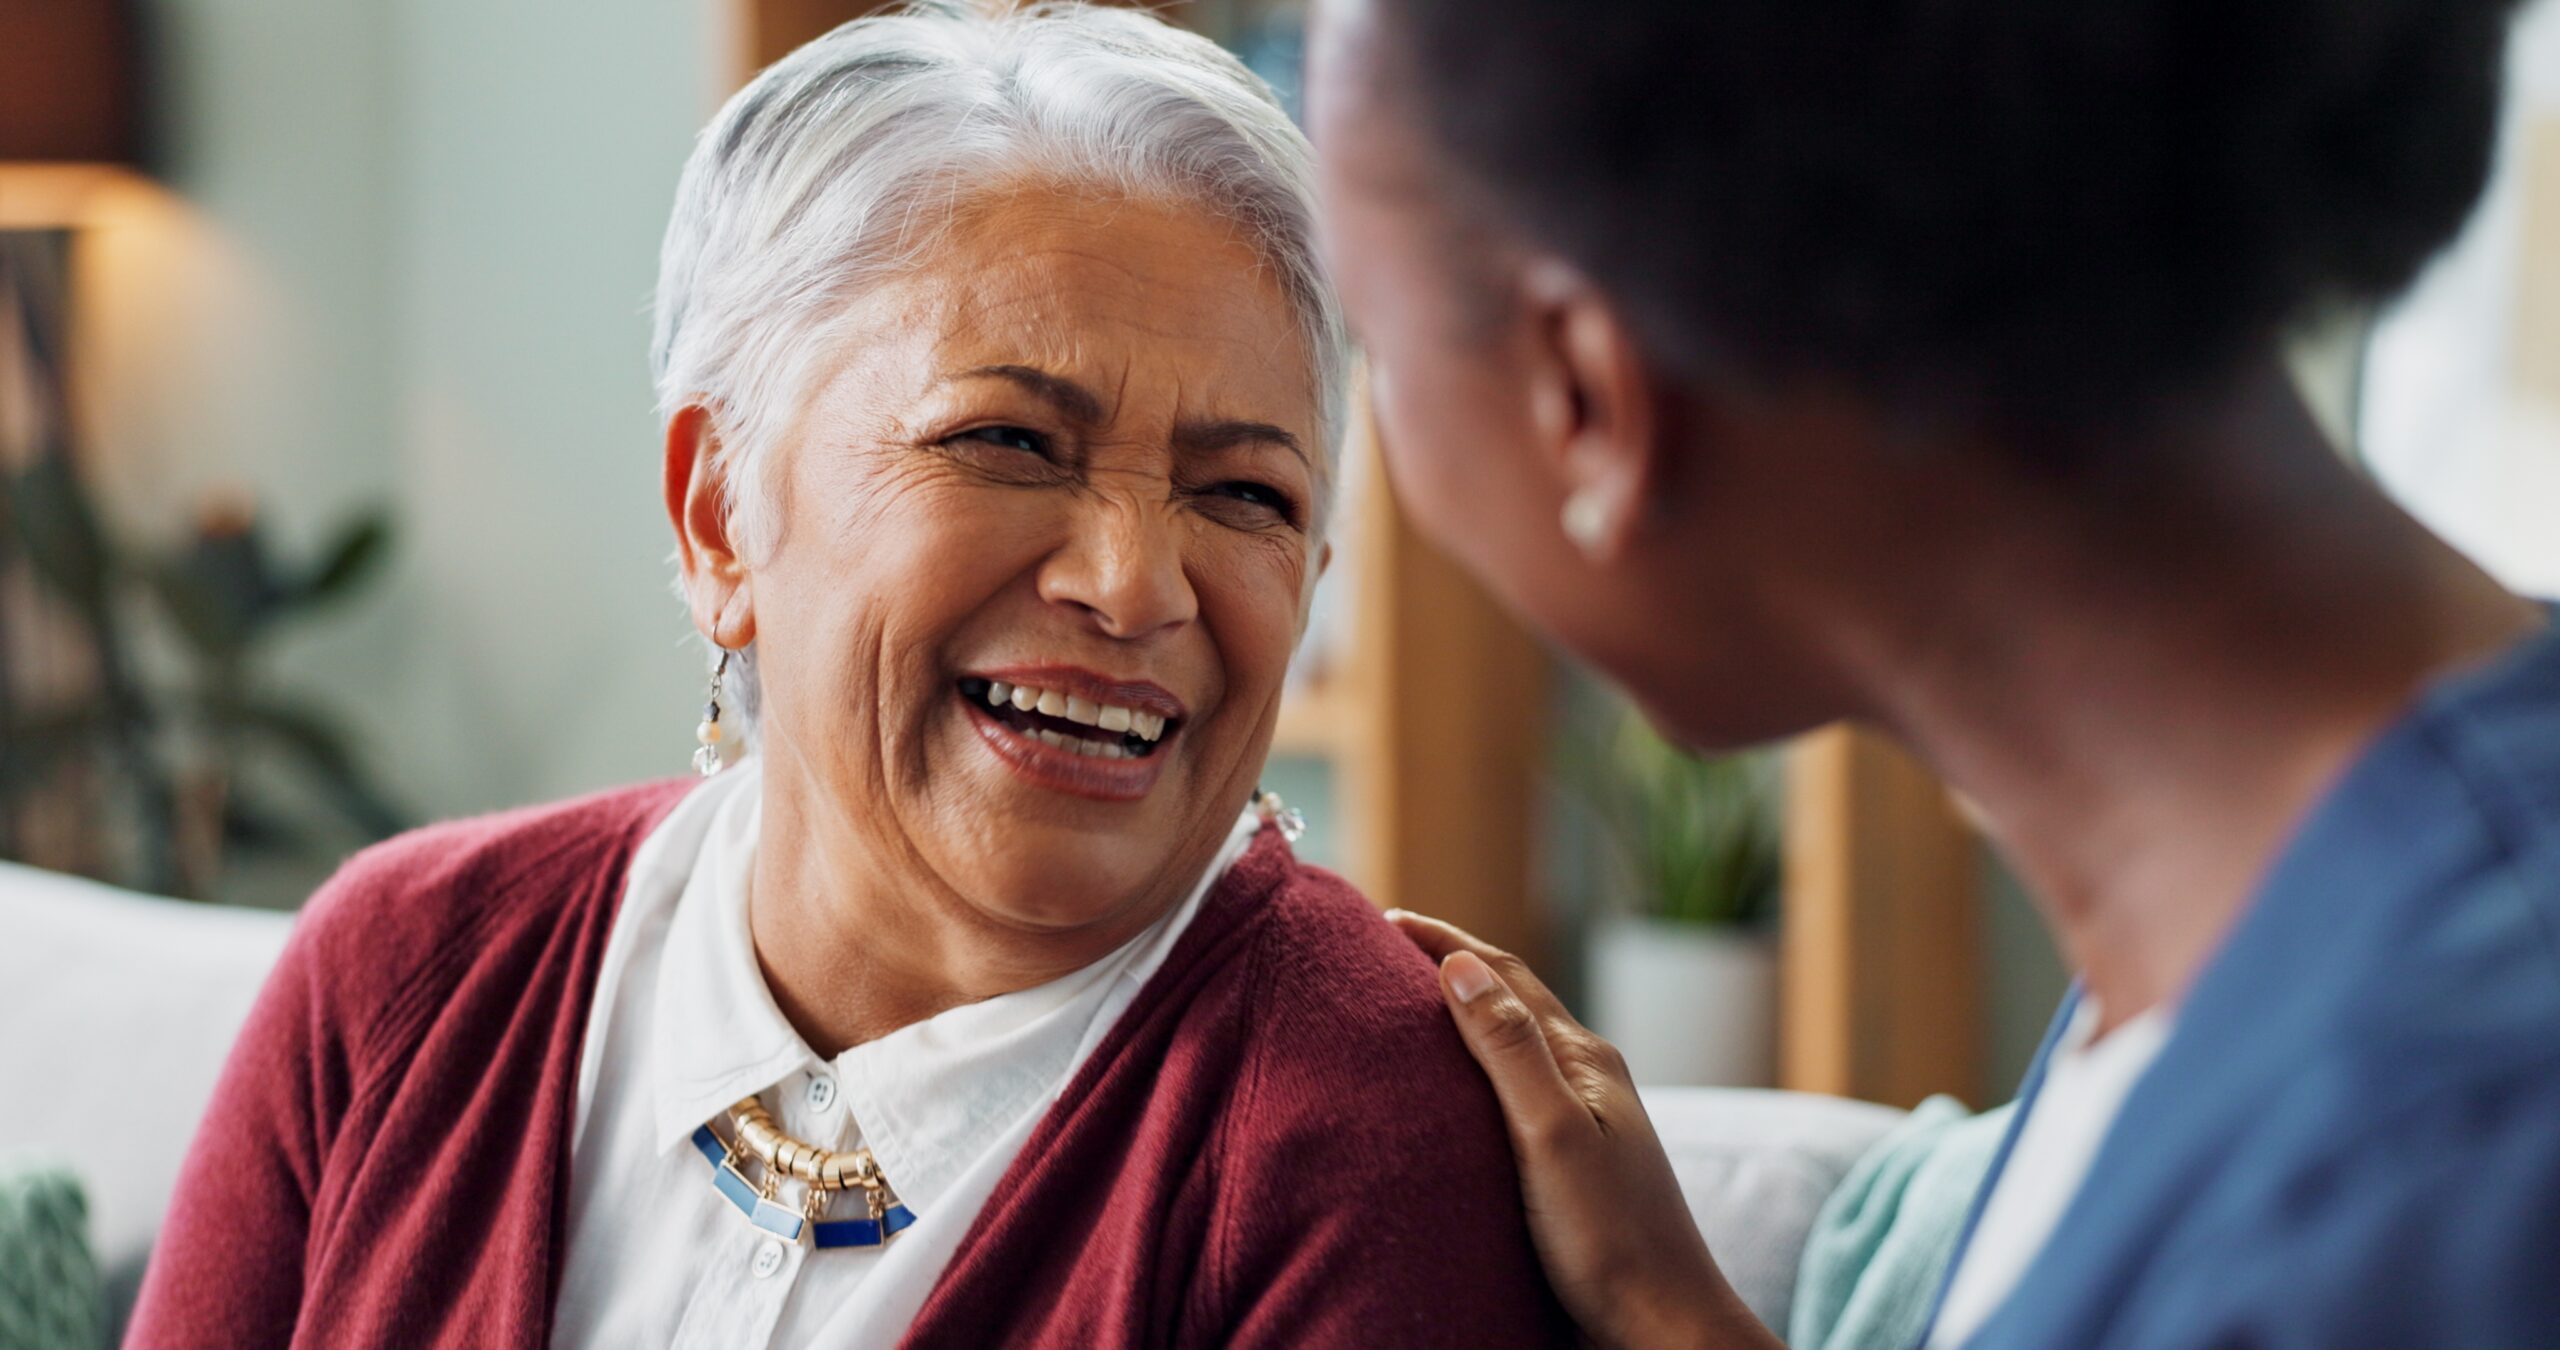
(1394, 914)
(1469, 977)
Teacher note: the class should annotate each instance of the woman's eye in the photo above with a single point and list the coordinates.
(1011, 438)
(1259, 494)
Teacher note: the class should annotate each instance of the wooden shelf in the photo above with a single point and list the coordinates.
(1882, 979)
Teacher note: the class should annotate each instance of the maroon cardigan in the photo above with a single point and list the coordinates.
(1282, 1142)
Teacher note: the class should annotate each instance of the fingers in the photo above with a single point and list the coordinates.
(1439, 940)
(1435, 938)
(1592, 1067)
(1509, 1043)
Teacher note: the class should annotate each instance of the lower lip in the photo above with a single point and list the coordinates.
(1045, 765)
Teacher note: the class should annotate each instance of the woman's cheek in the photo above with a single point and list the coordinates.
(1258, 595)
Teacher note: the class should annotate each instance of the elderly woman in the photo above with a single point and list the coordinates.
(999, 383)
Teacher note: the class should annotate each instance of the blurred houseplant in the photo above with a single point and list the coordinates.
(1682, 965)
(227, 599)
(163, 762)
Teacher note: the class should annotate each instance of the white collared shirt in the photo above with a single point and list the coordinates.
(2085, 1084)
(683, 1027)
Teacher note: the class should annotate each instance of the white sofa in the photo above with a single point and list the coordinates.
(116, 1010)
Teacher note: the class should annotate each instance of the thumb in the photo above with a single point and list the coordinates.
(1511, 1047)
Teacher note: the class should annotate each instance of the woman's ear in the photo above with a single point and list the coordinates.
(716, 582)
(1592, 405)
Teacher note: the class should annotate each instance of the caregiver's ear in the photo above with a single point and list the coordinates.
(1592, 405)
(715, 579)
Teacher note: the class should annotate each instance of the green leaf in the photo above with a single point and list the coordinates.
(250, 827)
(209, 623)
(1693, 840)
(61, 534)
(44, 739)
(356, 556)
(322, 751)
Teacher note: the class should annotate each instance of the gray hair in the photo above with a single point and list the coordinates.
(843, 162)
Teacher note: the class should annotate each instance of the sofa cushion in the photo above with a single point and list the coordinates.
(120, 1009)
(1755, 1167)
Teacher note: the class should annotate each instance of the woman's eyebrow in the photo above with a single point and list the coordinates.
(1071, 399)
(1225, 433)
(1082, 405)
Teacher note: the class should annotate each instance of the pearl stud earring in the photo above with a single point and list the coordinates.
(706, 755)
(1586, 519)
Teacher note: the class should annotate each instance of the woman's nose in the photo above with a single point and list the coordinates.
(1123, 566)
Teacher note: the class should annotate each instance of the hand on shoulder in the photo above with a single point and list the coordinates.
(1604, 1207)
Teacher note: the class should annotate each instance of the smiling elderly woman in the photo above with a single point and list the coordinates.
(975, 1006)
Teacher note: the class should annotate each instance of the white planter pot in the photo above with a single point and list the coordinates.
(1687, 1005)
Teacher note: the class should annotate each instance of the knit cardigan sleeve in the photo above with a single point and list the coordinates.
(229, 1265)
(1376, 1202)
(382, 1159)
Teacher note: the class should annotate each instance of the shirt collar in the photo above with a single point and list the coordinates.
(718, 1037)
(935, 1096)
(930, 1098)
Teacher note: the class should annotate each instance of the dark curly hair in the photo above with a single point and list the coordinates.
(2023, 206)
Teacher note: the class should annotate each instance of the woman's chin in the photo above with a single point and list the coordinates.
(1055, 850)
(1062, 881)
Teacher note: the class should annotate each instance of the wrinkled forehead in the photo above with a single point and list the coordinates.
(1160, 307)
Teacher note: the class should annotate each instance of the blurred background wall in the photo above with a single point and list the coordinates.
(403, 254)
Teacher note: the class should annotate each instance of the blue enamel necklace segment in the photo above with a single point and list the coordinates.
(782, 1220)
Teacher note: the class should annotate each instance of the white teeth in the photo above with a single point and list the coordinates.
(1109, 717)
(1078, 745)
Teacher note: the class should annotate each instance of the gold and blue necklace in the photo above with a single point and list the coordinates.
(822, 1174)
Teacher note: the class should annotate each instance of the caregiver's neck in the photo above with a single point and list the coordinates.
(858, 938)
(2145, 689)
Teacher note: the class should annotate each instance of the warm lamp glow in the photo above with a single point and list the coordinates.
(62, 196)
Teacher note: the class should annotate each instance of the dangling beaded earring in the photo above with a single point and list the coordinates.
(706, 757)
(1274, 811)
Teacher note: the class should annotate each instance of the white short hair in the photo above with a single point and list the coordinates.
(842, 162)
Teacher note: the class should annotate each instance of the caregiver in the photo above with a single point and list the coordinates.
(1919, 364)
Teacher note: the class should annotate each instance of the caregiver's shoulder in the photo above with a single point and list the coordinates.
(2400, 1185)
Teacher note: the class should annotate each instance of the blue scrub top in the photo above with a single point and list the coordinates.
(2352, 1137)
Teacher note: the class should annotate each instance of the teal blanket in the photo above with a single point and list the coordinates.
(1880, 1246)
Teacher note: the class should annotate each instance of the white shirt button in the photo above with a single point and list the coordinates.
(822, 1092)
(768, 1259)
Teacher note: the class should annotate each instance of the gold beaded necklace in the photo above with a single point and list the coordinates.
(822, 1174)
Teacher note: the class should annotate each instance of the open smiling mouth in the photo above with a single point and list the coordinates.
(1070, 722)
